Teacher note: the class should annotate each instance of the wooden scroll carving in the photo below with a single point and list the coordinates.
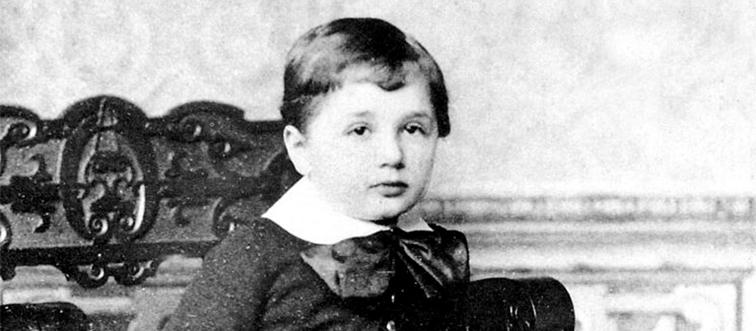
(105, 191)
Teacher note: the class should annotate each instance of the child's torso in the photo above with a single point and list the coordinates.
(299, 299)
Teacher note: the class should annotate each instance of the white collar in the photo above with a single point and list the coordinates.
(301, 212)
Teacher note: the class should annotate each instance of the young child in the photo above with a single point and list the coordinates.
(364, 107)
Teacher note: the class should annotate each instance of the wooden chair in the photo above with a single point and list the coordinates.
(104, 192)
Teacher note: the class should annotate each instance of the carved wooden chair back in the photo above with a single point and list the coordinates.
(106, 192)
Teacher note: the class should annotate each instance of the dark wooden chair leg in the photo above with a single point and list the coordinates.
(46, 316)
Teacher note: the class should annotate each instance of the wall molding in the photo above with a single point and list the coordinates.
(592, 208)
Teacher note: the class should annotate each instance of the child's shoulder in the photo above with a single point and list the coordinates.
(256, 238)
(260, 231)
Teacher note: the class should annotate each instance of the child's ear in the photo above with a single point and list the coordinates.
(296, 142)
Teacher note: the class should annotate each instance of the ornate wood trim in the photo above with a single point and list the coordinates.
(106, 191)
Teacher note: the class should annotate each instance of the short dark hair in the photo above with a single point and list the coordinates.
(317, 62)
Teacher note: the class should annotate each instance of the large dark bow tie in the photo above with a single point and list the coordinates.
(365, 266)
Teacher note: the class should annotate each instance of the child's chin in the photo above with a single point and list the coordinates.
(387, 211)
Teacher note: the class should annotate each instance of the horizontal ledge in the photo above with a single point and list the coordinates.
(606, 208)
(663, 275)
(502, 226)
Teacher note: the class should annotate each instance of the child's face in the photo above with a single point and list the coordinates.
(369, 151)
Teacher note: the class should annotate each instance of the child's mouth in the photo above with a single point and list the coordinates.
(391, 189)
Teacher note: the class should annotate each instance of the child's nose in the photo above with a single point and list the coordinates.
(390, 152)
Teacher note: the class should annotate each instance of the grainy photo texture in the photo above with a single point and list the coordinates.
(394, 165)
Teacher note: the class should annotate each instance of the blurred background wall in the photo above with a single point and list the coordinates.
(608, 143)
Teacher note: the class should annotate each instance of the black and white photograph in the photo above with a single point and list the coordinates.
(476, 165)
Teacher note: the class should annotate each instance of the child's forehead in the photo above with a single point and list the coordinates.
(364, 99)
(370, 75)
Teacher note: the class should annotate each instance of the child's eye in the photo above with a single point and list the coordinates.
(359, 130)
(414, 129)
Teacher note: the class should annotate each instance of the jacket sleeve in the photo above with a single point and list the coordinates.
(230, 291)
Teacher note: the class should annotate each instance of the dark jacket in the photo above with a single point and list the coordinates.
(256, 279)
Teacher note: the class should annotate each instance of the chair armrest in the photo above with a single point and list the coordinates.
(538, 304)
